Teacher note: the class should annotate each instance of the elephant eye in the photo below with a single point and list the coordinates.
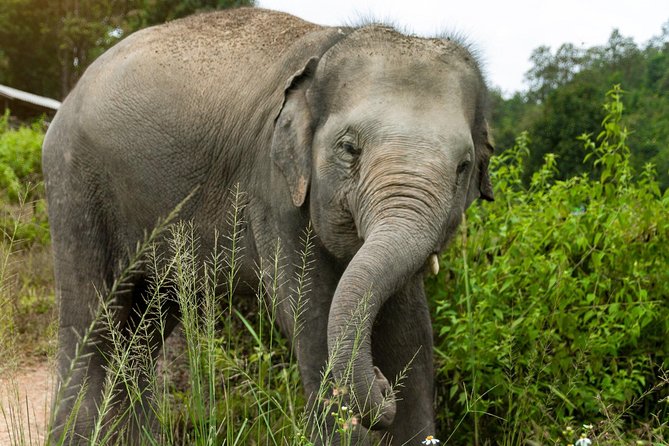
(348, 151)
(462, 167)
(350, 148)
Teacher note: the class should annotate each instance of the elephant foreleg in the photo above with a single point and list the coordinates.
(307, 331)
(402, 344)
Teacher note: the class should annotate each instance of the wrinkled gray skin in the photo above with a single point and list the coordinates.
(376, 138)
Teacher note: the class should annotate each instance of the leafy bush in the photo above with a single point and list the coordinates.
(553, 302)
(20, 155)
(21, 182)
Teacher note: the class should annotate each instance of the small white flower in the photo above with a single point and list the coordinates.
(430, 440)
(588, 426)
(583, 441)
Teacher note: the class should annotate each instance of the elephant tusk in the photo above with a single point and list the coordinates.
(433, 262)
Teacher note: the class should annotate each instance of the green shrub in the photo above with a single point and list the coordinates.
(20, 155)
(22, 205)
(553, 302)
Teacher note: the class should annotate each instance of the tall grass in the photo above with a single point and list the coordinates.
(7, 249)
(243, 380)
(22, 217)
(25, 309)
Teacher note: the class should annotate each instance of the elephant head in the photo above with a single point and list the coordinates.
(385, 135)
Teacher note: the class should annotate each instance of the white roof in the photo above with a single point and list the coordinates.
(13, 93)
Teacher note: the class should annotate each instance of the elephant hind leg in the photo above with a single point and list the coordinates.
(110, 370)
(152, 317)
(85, 259)
(81, 277)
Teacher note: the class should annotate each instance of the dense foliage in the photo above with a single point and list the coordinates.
(563, 98)
(20, 156)
(21, 185)
(553, 303)
(46, 45)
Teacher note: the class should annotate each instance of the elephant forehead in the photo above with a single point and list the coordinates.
(399, 83)
(384, 53)
(380, 39)
(395, 70)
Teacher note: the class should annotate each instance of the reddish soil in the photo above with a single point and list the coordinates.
(25, 397)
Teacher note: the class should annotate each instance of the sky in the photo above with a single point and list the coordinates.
(504, 32)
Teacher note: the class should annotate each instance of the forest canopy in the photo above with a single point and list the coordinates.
(562, 102)
(46, 45)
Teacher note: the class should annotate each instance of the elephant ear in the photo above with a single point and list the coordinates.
(485, 185)
(293, 134)
(481, 186)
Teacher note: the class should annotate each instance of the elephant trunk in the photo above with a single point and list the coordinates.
(387, 259)
(405, 208)
(374, 273)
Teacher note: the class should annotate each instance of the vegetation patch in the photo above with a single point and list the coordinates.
(552, 306)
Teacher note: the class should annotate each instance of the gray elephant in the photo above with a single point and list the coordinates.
(376, 139)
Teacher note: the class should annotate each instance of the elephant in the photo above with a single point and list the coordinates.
(375, 139)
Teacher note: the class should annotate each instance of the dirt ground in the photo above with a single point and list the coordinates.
(25, 397)
(25, 393)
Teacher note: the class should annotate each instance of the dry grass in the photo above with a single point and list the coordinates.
(29, 303)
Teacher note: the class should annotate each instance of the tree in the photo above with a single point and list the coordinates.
(552, 71)
(566, 114)
(563, 101)
(29, 46)
(47, 44)
(145, 13)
